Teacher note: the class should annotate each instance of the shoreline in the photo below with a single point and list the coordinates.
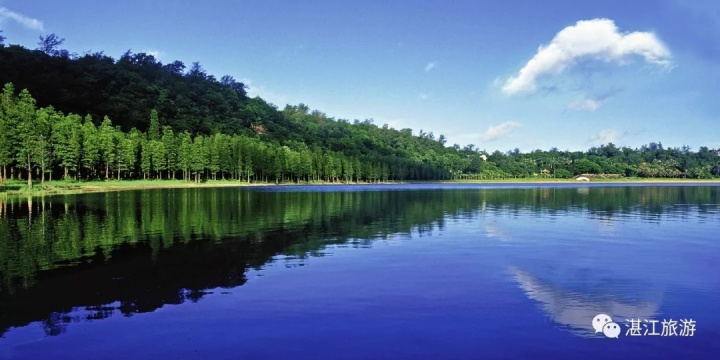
(18, 188)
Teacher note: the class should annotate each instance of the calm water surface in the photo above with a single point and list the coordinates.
(361, 272)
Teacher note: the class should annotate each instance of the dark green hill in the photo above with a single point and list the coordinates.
(211, 128)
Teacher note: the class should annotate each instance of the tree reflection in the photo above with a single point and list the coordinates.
(140, 250)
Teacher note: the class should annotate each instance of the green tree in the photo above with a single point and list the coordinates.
(154, 130)
(213, 145)
(158, 162)
(198, 157)
(127, 152)
(170, 143)
(107, 144)
(8, 129)
(185, 154)
(29, 133)
(45, 120)
(583, 166)
(90, 146)
(145, 157)
(67, 143)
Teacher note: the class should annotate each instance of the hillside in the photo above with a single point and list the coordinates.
(93, 116)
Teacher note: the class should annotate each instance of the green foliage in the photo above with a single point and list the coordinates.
(563, 174)
(7, 128)
(585, 166)
(107, 145)
(29, 133)
(67, 142)
(170, 144)
(154, 130)
(209, 129)
(90, 155)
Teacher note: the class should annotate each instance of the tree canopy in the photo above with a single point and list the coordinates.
(93, 116)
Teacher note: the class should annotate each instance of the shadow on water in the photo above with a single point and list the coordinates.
(135, 251)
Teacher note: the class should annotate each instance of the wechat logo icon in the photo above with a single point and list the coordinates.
(603, 323)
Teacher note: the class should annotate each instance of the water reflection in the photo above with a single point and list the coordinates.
(574, 310)
(132, 252)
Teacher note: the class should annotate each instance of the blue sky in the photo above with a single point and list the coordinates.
(500, 74)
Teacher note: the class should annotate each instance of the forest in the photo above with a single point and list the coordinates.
(81, 117)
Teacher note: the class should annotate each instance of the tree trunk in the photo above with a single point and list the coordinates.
(29, 173)
(107, 170)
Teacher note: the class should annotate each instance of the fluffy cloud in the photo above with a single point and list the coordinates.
(494, 132)
(28, 22)
(157, 54)
(254, 90)
(597, 39)
(430, 66)
(585, 104)
(605, 136)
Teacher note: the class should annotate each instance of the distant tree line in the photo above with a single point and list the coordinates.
(146, 119)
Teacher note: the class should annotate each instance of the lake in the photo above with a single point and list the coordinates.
(363, 272)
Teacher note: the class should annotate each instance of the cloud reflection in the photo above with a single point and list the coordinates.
(575, 310)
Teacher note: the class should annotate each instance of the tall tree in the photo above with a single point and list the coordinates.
(145, 157)
(158, 161)
(8, 129)
(67, 144)
(127, 152)
(50, 45)
(45, 120)
(185, 154)
(28, 131)
(171, 150)
(90, 146)
(107, 144)
(198, 157)
(154, 130)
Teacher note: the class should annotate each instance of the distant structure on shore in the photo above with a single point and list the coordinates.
(582, 178)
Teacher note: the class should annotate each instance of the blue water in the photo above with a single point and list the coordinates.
(496, 272)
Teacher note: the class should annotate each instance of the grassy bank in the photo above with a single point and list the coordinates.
(594, 180)
(19, 188)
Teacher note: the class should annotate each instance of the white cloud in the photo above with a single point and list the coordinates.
(597, 39)
(585, 104)
(270, 96)
(157, 54)
(604, 137)
(28, 22)
(494, 132)
(430, 66)
(396, 123)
